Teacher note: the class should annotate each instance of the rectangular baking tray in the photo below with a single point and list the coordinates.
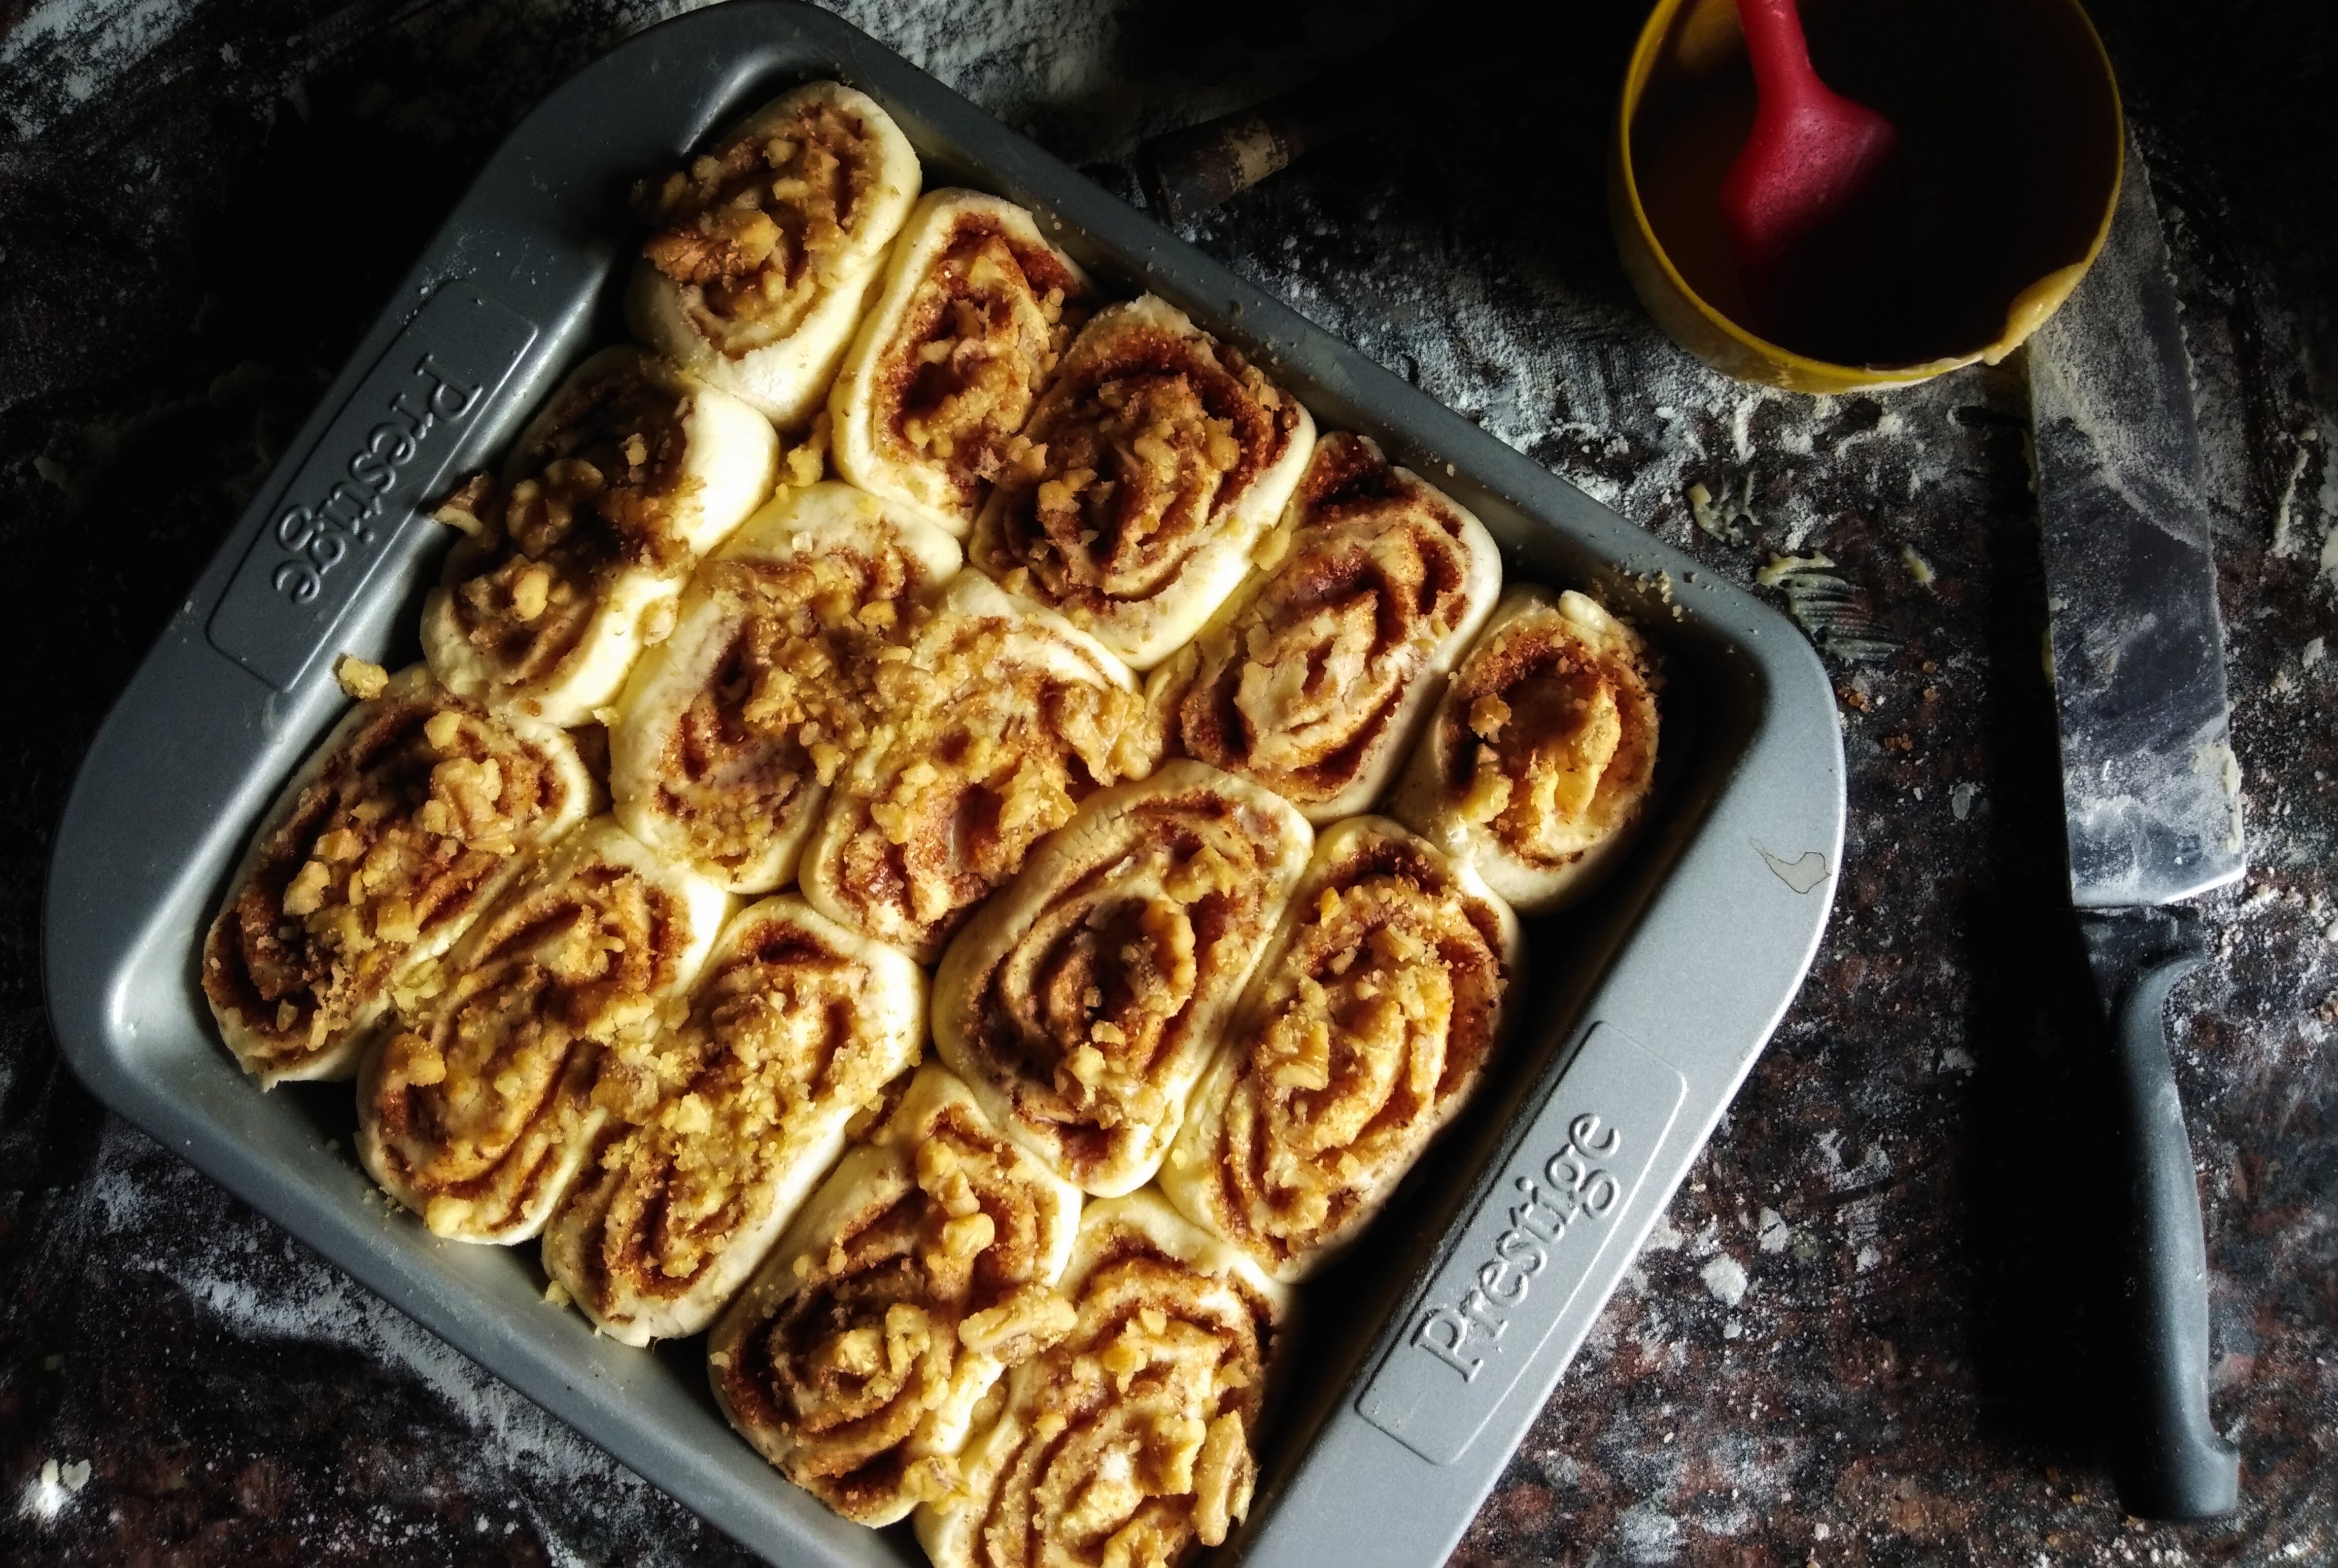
(1427, 1352)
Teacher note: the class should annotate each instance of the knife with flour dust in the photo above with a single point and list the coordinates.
(2150, 789)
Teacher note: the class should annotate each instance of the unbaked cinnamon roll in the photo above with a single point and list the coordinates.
(1082, 1002)
(770, 244)
(994, 722)
(730, 1116)
(924, 1267)
(1314, 678)
(1132, 1441)
(630, 474)
(401, 827)
(977, 311)
(1387, 989)
(731, 731)
(1538, 766)
(1167, 455)
(479, 1115)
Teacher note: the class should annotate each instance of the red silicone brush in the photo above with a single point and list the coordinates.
(1812, 159)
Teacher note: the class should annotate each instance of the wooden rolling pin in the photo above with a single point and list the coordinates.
(1187, 172)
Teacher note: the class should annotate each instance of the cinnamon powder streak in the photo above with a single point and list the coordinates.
(630, 474)
(977, 309)
(1371, 1019)
(1540, 764)
(1082, 1003)
(411, 817)
(731, 731)
(996, 721)
(479, 1116)
(857, 1360)
(1314, 678)
(730, 1116)
(769, 245)
(1166, 454)
(1131, 1442)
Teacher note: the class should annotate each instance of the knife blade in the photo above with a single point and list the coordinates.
(2150, 788)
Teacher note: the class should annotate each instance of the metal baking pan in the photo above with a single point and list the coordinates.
(1433, 1345)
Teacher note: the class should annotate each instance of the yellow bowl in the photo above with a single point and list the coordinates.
(2010, 127)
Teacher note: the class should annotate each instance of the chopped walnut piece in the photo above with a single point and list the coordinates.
(359, 677)
(753, 231)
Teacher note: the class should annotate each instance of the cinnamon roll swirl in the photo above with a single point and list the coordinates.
(921, 1270)
(977, 309)
(408, 821)
(479, 1115)
(1132, 1441)
(730, 1116)
(630, 474)
(731, 731)
(770, 244)
(1167, 455)
(1314, 678)
(994, 721)
(1538, 766)
(1387, 989)
(1081, 1004)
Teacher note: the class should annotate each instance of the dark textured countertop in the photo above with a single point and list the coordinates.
(1860, 1336)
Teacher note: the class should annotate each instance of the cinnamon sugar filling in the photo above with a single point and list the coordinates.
(944, 1261)
(1148, 437)
(1377, 1020)
(1550, 743)
(755, 232)
(396, 837)
(793, 699)
(986, 328)
(1300, 689)
(602, 497)
(1135, 1431)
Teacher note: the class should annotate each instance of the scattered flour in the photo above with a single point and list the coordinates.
(1725, 1276)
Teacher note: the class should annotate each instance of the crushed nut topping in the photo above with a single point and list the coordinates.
(1550, 736)
(1371, 1024)
(992, 728)
(359, 677)
(416, 820)
(602, 495)
(1305, 686)
(987, 324)
(1135, 1430)
(776, 1043)
(933, 1279)
(756, 232)
(494, 1088)
(1149, 437)
(795, 696)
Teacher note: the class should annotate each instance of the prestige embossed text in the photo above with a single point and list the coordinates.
(1578, 1189)
(318, 535)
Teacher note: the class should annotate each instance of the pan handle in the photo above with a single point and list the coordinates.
(2172, 1463)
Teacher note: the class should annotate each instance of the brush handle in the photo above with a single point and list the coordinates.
(1187, 172)
(1780, 55)
(2172, 1462)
